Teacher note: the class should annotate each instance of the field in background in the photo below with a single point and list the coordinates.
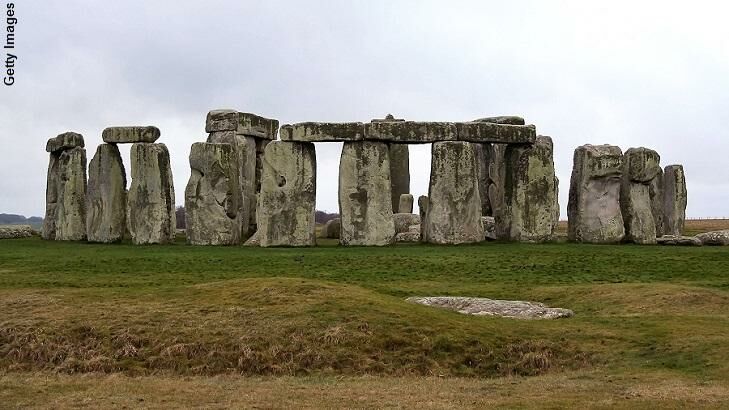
(113, 325)
(691, 228)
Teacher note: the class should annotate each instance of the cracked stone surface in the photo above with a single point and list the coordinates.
(513, 309)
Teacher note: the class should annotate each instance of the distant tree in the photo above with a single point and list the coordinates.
(180, 216)
(323, 217)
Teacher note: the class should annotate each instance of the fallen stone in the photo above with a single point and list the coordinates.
(221, 120)
(489, 227)
(594, 210)
(423, 211)
(714, 238)
(151, 199)
(364, 194)
(332, 228)
(503, 119)
(67, 140)
(512, 309)
(106, 196)
(640, 167)
(122, 135)
(407, 237)
(454, 209)
(288, 195)
(674, 199)
(15, 231)
(65, 218)
(399, 173)
(482, 132)
(403, 222)
(405, 205)
(323, 132)
(679, 240)
(252, 125)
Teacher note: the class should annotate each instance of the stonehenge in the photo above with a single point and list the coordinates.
(640, 168)
(65, 217)
(106, 196)
(674, 199)
(405, 204)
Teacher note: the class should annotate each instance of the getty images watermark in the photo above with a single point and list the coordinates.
(10, 58)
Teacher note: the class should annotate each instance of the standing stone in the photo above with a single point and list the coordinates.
(332, 228)
(106, 196)
(655, 189)
(423, 210)
(495, 158)
(483, 177)
(593, 210)
(405, 205)
(364, 194)
(151, 197)
(454, 210)
(288, 195)
(399, 172)
(260, 151)
(640, 167)
(65, 141)
(65, 218)
(674, 199)
(213, 196)
(531, 207)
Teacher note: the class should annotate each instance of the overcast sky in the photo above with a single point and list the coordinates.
(629, 73)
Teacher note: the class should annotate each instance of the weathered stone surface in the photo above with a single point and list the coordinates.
(404, 221)
(65, 218)
(494, 155)
(323, 131)
(489, 227)
(151, 197)
(513, 309)
(15, 231)
(288, 195)
(679, 240)
(454, 209)
(364, 194)
(482, 168)
(399, 173)
(65, 141)
(674, 199)
(388, 118)
(714, 238)
(503, 119)
(482, 132)
(260, 151)
(411, 132)
(332, 228)
(407, 237)
(213, 196)
(405, 205)
(655, 190)
(221, 120)
(640, 167)
(594, 209)
(531, 209)
(423, 202)
(106, 196)
(121, 135)
(252, 125)
(253, 241)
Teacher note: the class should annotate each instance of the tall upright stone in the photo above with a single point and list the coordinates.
(364, 194)
(594, 199)
(495, 158)
(399, 172)
(640, 167)
(65, 218)
(531, 208)
(655, 189)
(423, 211)
(151, 197)
(482, 167)
(106, 196)
(405, 206)
(213, 196)
(674, 199)
(288, 195)
(260, 152)
(454, 209)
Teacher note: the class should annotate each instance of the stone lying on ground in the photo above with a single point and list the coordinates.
(15, 231)
(423, 211)
(405, 204)
(65, 141)
(332, 228)
(65, 218)
(679, 240)
(399, 173)
(454, 209)
(594, 210)
(503, 119)
(407, 237)
(640, 168)
(253, 125)
(123, 135)
(513, 309)
(221, 120)
(213, 196)
(674, 199)
(365, 205)
(323, 131)
(151, 198)
(489, 227)
(714, 238)
(106, 196)
(288, 195)
(404, 221)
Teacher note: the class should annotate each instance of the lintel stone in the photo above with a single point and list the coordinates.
(130, 135)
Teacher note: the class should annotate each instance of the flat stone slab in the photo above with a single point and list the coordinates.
(679, 240)
(503, 119)
(493, 132)
(252, 125)
(714, 238)
(513, 309)
(65, 141)
(15, 231)
(130, 135)
(221, 120)
(323, 132)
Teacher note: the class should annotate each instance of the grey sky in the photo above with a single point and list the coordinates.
(652, 74)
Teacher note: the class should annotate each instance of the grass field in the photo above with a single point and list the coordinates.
(167, 326)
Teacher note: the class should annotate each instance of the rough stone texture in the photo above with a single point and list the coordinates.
(65, 218)
(253, 241)
(594, 209)
(454, 210)
(404, 221)
(364, 194)
(15, 231)
(499, 133)
(489, 227)
(482, 167)
(679, 240)
(323, 132)
(213, 196)
(494, 155)
(388, 118)
(246, 151)
(412, 132)
(332, 228)
(65, 141)
(151, 197)
(674, 199)
(407, 237)
(122, 135)
(513, 309)
(288, 195)
(260, 151)
(405, 205)
(714, 238)
(503, 119)
(423, 202)
(106, 196)
(655, 190)
(253, 125)
(399, 173)
(221, 120)
(531, 210)
(640, 167)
